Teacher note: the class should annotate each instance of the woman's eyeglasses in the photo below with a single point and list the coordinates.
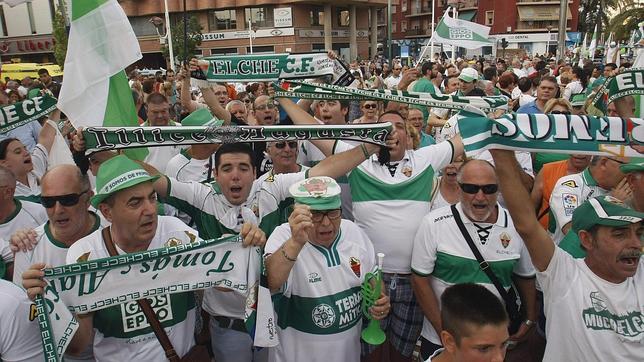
(560, 112)
(370, 106)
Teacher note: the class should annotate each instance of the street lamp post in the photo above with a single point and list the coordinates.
(389, 50)
(561, 36)
(549, 27)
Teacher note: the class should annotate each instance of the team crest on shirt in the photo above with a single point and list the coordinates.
(505, 239)
(569, 183)
(82, 258)
(406, 171)
(323, 315)
(255, 209)
(570, 203)
(33, 312)
(172, 242)
(355, 265)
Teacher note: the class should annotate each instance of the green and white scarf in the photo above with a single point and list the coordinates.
(611, 136)
(114, 138)
(97, 284)
(271, 67)
(307, 90)
(21, 113)
(629, 82)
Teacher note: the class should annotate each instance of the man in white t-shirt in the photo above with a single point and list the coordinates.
(126, 198)
(392, 81)
(475, 326)
(158, 112)
(14, 215)
(442, 257)
(318, 263)
(381, 187)
(593, 305)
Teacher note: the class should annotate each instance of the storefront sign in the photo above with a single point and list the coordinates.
(261, 33)
(28, 46)
(282, 17)
(317, 33)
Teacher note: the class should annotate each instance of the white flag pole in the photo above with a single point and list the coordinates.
(431, 48)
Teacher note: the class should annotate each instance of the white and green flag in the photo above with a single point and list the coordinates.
(593, 44)
(461, 33)
(101, 44)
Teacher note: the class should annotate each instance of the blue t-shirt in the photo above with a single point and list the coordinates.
(530, 108)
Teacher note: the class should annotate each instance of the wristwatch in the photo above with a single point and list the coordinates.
(528, 322)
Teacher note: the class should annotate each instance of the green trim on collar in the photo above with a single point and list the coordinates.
(14, 213)
(60, 244)
(588, 178)
(184, 152)
(331, 253)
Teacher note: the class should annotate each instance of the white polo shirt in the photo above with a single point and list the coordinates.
(441, 252)
(31, 191)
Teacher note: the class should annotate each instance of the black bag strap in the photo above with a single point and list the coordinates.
(149, 313)
(510, 304)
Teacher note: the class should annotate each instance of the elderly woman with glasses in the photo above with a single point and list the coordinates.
(370, 111)
(553, 106)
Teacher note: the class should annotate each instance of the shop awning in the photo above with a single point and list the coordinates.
(467, 15)
(540, 13)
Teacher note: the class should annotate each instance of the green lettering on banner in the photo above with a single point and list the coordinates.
(261, 68)
(113, 138)
(553, 133)
(108, 282)
(21, 113)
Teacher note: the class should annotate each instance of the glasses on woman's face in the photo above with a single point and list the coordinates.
(281, 145)
(560, 112)
(317, 216)
(246, 100)
(370, 106)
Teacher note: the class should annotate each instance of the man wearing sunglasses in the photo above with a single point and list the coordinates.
(602, 176)
(14, 215)
(441, 256)
(66, 197)
(318, 262)
(392, 81)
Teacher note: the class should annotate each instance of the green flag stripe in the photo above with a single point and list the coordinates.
(81, 7)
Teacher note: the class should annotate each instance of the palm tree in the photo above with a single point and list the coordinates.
(623, 24)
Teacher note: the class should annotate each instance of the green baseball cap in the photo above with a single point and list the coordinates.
(201, 117)
(633, 166)
(320, 193)
(604, 210)
(118, 173)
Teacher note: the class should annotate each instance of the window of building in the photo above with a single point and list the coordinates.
(142, 26)
(317, 46)
(269, 49)
(223, 51)
(317, 16)
(403, 5)
(222, 19)
(3, 21)
(261, 17)
(403, 26)
(343, 17)
(489, 17)
(394, 27)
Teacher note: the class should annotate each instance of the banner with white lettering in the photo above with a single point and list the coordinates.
(306, 90)
(263, 67)
(113, 138)
(29, 110)
(97, 284)
(612, 136)
(628, 82)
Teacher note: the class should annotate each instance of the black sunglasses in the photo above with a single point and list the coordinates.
(560, 112)
(474, 189)
(291, 144)
(370, 106)
(65, 200)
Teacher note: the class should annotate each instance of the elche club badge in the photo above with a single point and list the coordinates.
(355, 265)
(505, 239)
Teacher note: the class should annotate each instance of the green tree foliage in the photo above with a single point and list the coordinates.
(193, 39)
(60, 36)
(623, 24)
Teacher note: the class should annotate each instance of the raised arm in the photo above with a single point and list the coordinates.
(341, 163)
(517, 198)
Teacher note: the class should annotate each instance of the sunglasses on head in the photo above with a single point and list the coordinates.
(370, 106)
(291, 144)
(474, 189)
(65, 200)
(560, 112)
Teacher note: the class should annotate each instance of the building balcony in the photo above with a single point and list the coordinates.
(540, 2)
(417, 32)
(423, 11)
